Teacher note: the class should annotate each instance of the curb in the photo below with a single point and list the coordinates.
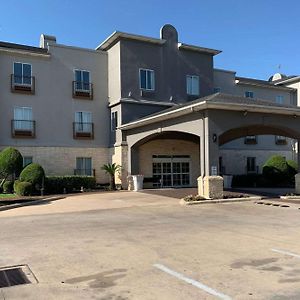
(290, 197)
(12, 206)
(215, 201)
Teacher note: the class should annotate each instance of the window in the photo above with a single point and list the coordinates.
(192, 85)
(280, 140)
(114, 120)
(27, 160)
(84, 166)
(23, 118)
(217, 90)
(82, 80)
(147, 79)
(251, 139)
(251, 165)
(83, 121)
(22, 73)
(279, 99)
(249, 94)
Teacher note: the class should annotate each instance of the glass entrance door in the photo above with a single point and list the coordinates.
(171, 171)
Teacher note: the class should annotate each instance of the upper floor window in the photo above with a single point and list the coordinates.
(114, 120)
(192, 85)
(82, 80)
(249, 94)
(217, 90)
(279, 99)
(22, 73)
(22, 124)
(147, 79)
(82, 86)
(83, 126)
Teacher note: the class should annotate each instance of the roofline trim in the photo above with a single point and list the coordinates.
(296, 78)
(245, 82)
(198, 49)
(24, 52)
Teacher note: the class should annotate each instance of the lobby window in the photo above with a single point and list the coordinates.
(251, 165)
(279, 99)
(27, 160)
(249, 94)
(192, 85)
(22, 124)
(84, 166)
(114, 120)
(147, 80)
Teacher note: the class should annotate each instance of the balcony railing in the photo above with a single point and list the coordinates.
(82, 90)
(254, 170)
(85, 172)
(23, 128)
(83, 130)
(22, 84)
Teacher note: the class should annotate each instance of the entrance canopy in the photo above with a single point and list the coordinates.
(215, 120)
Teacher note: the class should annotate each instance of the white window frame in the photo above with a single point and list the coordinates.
(249, 93)
(153, 81)
(192, 77)
(30, 124)
(22, 76)
(90, 80)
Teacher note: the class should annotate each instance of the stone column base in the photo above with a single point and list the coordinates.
(297, 183)
(211, 187)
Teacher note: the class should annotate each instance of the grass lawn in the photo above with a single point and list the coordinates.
(8, 196)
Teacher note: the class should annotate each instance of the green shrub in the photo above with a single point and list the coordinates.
(11, 162)
(57, 184)
(8, 187)
(34, 174)
(22, 188)
(276, 170)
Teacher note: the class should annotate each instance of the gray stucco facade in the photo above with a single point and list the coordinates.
(131, 78)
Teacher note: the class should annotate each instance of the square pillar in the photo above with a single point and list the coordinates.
(210, 187)
(120, 157)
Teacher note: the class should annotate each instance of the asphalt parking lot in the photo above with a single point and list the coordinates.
(157, 251)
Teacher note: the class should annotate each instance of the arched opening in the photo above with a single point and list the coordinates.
(244, 150)
(167, 159)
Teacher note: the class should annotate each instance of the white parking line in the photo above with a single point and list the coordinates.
(286, 252)
(192, 281)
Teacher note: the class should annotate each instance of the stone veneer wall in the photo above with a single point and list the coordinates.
(169, 147)
(62, 160)
(235, 161)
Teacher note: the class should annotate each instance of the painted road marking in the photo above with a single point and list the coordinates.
(286, 252)
(192, 281)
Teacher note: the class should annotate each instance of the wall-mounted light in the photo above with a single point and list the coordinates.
(214, 137)
(245, 113)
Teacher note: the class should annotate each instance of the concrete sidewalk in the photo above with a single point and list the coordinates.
(89, 202)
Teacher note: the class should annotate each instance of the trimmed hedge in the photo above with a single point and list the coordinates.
(22, 188)
(57, 184)
(33, 173)
(11, 161)
(8, 187)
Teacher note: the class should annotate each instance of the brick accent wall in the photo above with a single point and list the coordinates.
(62, 160)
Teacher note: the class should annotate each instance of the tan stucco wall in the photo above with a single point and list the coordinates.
(62, 160)
(169, 147)
(235, 161)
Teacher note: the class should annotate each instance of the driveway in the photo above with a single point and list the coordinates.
(152, 249)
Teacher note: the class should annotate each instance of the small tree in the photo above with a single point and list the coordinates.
(11, 163)
(111, 170)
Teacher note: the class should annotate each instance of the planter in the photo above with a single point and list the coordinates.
(137, 182)
(227, 181)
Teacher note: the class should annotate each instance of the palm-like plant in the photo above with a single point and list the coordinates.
(111, 170)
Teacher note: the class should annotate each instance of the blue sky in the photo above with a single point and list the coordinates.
(255, 36)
